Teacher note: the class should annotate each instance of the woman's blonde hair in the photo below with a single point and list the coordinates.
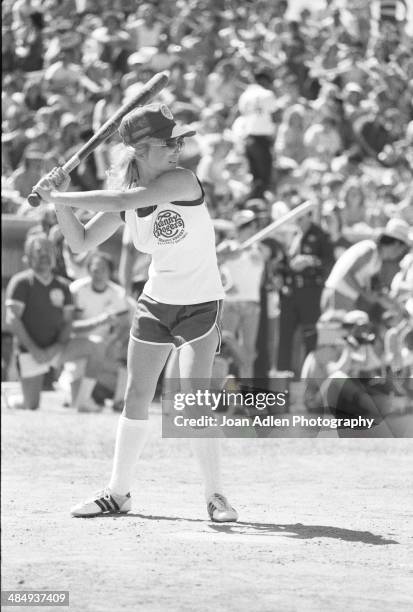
(124, 172)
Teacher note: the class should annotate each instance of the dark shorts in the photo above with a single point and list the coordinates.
(157, 323)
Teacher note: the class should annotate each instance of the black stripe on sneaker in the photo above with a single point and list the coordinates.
(106, 503)
(114, 504)
(101, 506)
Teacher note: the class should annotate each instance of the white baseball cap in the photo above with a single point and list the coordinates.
(399, 230)
(356, 317)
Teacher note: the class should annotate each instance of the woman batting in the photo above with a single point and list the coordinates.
(163, 206)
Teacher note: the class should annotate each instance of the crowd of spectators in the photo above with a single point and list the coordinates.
(316, 108)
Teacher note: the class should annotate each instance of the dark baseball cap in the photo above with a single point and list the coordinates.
(153, 120)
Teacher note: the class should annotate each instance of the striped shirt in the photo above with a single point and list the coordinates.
(390, 9)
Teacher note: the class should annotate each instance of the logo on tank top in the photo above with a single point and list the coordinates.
(169, 227)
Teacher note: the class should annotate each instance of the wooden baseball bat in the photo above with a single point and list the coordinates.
(292, 215)
(148, 91)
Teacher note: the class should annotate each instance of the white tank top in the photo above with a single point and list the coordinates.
(180, 238)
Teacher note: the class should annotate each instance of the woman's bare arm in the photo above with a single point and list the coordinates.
(81, 237)
(175, 185)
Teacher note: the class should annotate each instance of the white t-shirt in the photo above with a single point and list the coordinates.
(91, 303)
(244, 274)
(256, 105)
(143, 36)
(358, 264)
(181, 239)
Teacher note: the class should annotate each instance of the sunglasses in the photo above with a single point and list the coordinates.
(174, 144)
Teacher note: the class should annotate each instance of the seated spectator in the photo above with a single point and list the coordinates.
(69, 134)
(34, 97)
(353, 97)
(101, 74)
(47, 119)
(104, 311)
(178, 85)
(223, 85)
(196, 79)
(371, 133)
(31, 53)
(39, 312)
(211, 168)
(41, 140)
(352, 204)
(166, 54)
(289, 142)
(140, 72)
(351, 67)
(114, 42)
(322, 140)
(16, 120)
(146, 29)
(237, 177)
(65, 76)
(72, 136)
(28, 173)
(349, 285)
(61, 35)
(212, 120)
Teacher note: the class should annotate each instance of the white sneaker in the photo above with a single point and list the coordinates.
(220, 510)
(103, 502)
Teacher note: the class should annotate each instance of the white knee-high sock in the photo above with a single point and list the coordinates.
(207, 452)
(131, 437)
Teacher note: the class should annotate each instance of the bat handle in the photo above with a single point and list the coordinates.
(34, 199)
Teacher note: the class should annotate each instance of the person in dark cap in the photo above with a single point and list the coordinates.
(114, 41)
(310, 260)
(178, 312)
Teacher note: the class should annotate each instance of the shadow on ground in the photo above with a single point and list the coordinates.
(297, 530)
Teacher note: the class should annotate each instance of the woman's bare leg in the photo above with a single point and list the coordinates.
(145, 364)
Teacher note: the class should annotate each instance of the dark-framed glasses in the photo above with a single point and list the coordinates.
(174, 144)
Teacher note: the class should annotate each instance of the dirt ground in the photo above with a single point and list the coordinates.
(324, 523)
